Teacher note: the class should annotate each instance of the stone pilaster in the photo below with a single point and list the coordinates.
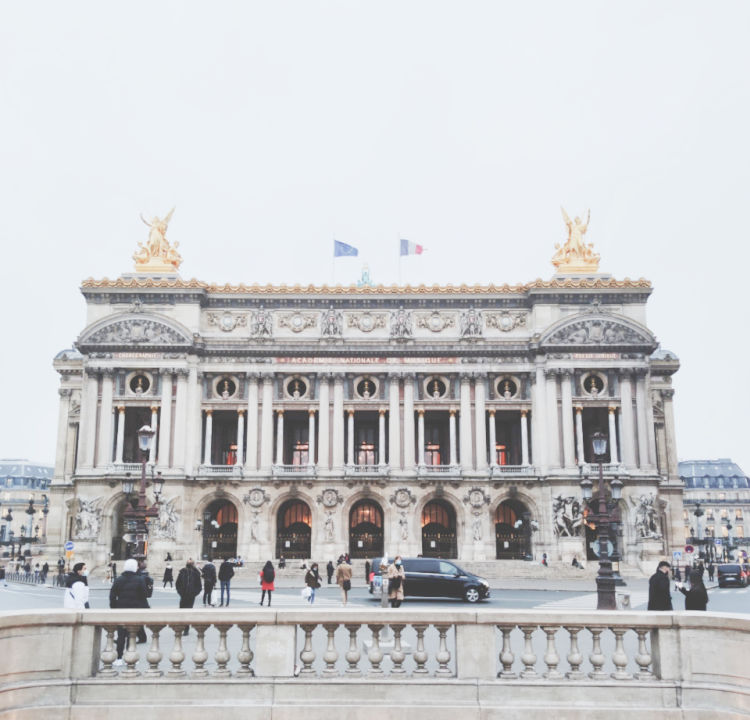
(480, 422)
(394, 426)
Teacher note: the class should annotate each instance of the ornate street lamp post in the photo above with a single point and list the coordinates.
(139, 513)
(603, 517)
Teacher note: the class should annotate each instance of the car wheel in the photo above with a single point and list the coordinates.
(471, 595)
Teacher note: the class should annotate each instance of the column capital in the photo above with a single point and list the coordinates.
(154, 408)
(166, 371)
(240, 412)
(466, 377)
(668, 393)
(108, 372)
(311, 411)
(121, 408)
(612, 409)
(524, 413)
(350, 413)
(551, 372)
(209, 412)
(252, 375)
(181, 372)
(280, 412)
(579, 409)
(420, 412)
(267, 377)
(338, 378)
(452, 412)
(492, 412)
(64, 392)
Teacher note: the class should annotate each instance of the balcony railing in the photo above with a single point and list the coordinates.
(379, 470)
(293, 469)
(439, 470)
(220, 470)
(511, 470)
(125, 467)
(607, 468)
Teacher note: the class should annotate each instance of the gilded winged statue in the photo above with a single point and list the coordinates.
(157, 251)
(575, 255)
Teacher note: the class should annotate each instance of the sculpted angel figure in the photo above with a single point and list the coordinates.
(575, 249)
(157, 244)
(576, 231)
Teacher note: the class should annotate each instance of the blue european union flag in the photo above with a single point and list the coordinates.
(343, 250)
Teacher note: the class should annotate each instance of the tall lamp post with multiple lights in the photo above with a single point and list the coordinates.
(602, 514)
(138, 514)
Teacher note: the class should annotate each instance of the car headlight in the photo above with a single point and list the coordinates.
(482, 581)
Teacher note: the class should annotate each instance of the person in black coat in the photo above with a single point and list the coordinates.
(209, 581)
(188, 584)
(330, 570)
(696, 598)
(226, 573)
(127, 591)
(658, 588)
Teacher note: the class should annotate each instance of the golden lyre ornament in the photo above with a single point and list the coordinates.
(157, 255)
(576, 255)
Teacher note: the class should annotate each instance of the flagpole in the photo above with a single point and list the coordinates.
(333, 263)
(399, 258)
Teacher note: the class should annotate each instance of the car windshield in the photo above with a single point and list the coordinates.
(729, 568)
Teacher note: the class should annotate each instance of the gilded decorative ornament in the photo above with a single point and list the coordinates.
(575, 255)
(157, 255)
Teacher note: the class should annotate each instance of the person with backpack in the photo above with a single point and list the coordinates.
(344, 580)
(226, 573)
(267, 576)
(188, 585)
(209, 580)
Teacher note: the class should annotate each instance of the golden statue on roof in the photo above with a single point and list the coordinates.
(576, 255)
(157, 255)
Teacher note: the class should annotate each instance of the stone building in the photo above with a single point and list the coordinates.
(311, 421)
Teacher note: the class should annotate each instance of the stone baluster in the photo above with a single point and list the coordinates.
(507, 658)
(397, 654)
(330, 656)
(353, 654)
(375, 654)
(443, 655)
(200, 655)
(154, 654)
(551, 657)
(620, 658)
(245, 655)
(575, 658)
(177, 656)
(597, 657)
(109, 654)
(643, 658)
(131, 656)
(420, 656)
(222, 655)
(528, 658)
(307, 655)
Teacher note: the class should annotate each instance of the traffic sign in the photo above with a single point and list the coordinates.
(689, 549)
(717, 541)
(68, 546)
(676, 556)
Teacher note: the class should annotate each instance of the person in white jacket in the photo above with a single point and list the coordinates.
(76, 595)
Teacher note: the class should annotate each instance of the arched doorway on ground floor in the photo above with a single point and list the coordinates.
(219, 530)
(294, 530)
(366, 530)
(512, 531)
(123, 534)
(439, 530)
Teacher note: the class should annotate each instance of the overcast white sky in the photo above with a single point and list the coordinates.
(462, 126)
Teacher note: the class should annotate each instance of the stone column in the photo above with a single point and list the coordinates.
(640, 405)
(453, 438)
(650, 425)
(381, 437)
(464, 424)
(669, 433)
(539, 420)
(311, 437)
(279, 437)
(525, 459)
(338, 422)
(62, 431)
(180, 419)
(251, 456)
(165, 435)
(104, 450)
(350, 438)
(120, 446)
(409, 460)
(626, 421)
(394, 426)
(155, 428)
(553, 423)
(493, 440)
(480, 422)
(193, 424)
(240, 438)
(613, 451)
(207, 441)
(569, 452)
(266, 424)
(579, 435)
(420, 437)
(87, 425)
(324, 413)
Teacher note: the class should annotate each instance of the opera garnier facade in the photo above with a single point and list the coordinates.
(451, 421)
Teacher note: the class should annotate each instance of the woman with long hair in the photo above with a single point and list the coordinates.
(312, 580)
(267, 576)
(696, 598)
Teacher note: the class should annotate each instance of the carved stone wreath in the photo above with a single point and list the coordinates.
(505, 321)
(330, 498)
(366, 322)
(256, 498)
(435, 321)
(476, 498)
(297, 322)
(403, 498)
(227, 321)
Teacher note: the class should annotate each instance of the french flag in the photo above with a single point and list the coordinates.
(410, 248)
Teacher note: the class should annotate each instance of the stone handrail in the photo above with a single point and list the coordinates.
(434, 663)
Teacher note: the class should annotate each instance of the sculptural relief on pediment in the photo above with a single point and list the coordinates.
(136, 331)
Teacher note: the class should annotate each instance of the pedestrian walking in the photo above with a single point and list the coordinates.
(168, 576)
(367, 571)
(282, 562)
(344, 580)
(677, 574)
(127, 591)
(711, 570)
(37, 572)
(267, 576)
(396, 582)
(696, 598)
(188, 585)
(330, 570)
(312, 580)
(208, 573)
(45, 571)
(544, 559)
(76, 589)
(113, 568)
(226, 573)
(658, 588)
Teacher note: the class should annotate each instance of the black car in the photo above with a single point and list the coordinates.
(732, 573)
(432, 577)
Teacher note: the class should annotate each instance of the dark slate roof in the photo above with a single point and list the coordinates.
(25, 469)
(719, 474)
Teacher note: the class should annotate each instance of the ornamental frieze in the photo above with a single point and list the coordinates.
(435, 321)
(505, 321)
(597, 332)
(136, 332)
(366, 322)
(297, 321)
(227, 321)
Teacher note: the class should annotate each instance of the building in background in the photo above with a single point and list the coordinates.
(716, 504)
(451, 421)
(24, 505)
